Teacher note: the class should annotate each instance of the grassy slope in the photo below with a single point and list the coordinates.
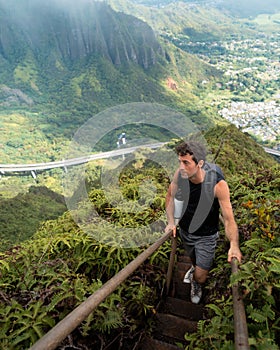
(22, 215)
(67, 262)
(236, 153)
(175, 17)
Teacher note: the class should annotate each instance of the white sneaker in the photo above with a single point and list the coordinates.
(196, 292)
(188, 275)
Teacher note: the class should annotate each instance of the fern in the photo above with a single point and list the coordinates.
(111, 320)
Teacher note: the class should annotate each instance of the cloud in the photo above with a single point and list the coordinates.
(18, 7)
(28, 13)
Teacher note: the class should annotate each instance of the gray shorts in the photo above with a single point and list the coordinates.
(201, 249)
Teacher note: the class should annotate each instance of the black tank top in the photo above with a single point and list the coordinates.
(201, 209)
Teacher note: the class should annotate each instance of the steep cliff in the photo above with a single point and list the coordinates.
(69, 32)
(64, 61)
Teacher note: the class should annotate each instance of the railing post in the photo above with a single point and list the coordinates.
(239, 315)
(171, 263)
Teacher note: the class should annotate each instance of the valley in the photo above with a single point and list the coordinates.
(225, 72)
(70, 72)
(228, 66)
(249, 95)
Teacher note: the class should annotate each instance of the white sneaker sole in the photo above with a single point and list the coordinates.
(187, 278)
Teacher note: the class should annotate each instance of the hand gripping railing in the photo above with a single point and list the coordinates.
(240, 323)
(59, 332)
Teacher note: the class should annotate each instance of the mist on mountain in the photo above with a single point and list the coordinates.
(74, 30)
(238, 8)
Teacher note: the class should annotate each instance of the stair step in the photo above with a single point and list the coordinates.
(184, 258)
(182, 290)
(183, 263)
(177, 315)
(182, 308)
(180, 273)
(154, 344)
(172, 326)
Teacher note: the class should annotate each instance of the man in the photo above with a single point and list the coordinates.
(204, 191)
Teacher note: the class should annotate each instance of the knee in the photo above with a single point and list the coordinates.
(200, 278)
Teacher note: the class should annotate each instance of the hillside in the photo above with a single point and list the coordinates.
(50, 52)
(63, 62)
(235, 152)
(202, 20)
(23, 214)
(47, 276)
(209, 20)
(236, 8)
(54, 34)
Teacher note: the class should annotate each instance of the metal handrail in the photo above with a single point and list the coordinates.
(59, 332)
(240, 324)
(171, 263)
(241, 340)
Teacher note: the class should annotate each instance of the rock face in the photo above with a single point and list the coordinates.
(10, 97)
(73, 30)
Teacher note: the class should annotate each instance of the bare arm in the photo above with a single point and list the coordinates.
(231, 229)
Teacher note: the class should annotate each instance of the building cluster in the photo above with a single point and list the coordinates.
(261, 119)
(252, 66)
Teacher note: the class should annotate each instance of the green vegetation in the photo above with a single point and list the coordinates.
(44, 278)
(41, 132)
(179, 15)
(49, 264)
(58, 270)
(22, 215)
(45, 98)
(51, 85)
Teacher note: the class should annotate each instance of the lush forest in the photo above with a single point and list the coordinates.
(45, 277)
(55, 76)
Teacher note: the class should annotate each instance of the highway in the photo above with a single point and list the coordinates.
(275, 152)
(17, 168)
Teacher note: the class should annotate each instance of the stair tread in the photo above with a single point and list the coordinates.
(181, 289)
(177, 315)
(173, 326)
(183, 308)
(155, 344)
(184, 258)
(182, 266)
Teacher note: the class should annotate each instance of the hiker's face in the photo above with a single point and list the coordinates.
(188, 167)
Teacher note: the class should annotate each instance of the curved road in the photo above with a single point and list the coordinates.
(275, 152)
(13, 168)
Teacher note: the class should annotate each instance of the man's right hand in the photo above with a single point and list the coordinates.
(171, 227)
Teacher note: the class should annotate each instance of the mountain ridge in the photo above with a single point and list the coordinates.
(77, 34)
(60, 66)
(211, 19)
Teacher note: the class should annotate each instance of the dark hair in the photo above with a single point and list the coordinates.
(193, 148)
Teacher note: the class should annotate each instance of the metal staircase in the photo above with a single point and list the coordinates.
(176, 315)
